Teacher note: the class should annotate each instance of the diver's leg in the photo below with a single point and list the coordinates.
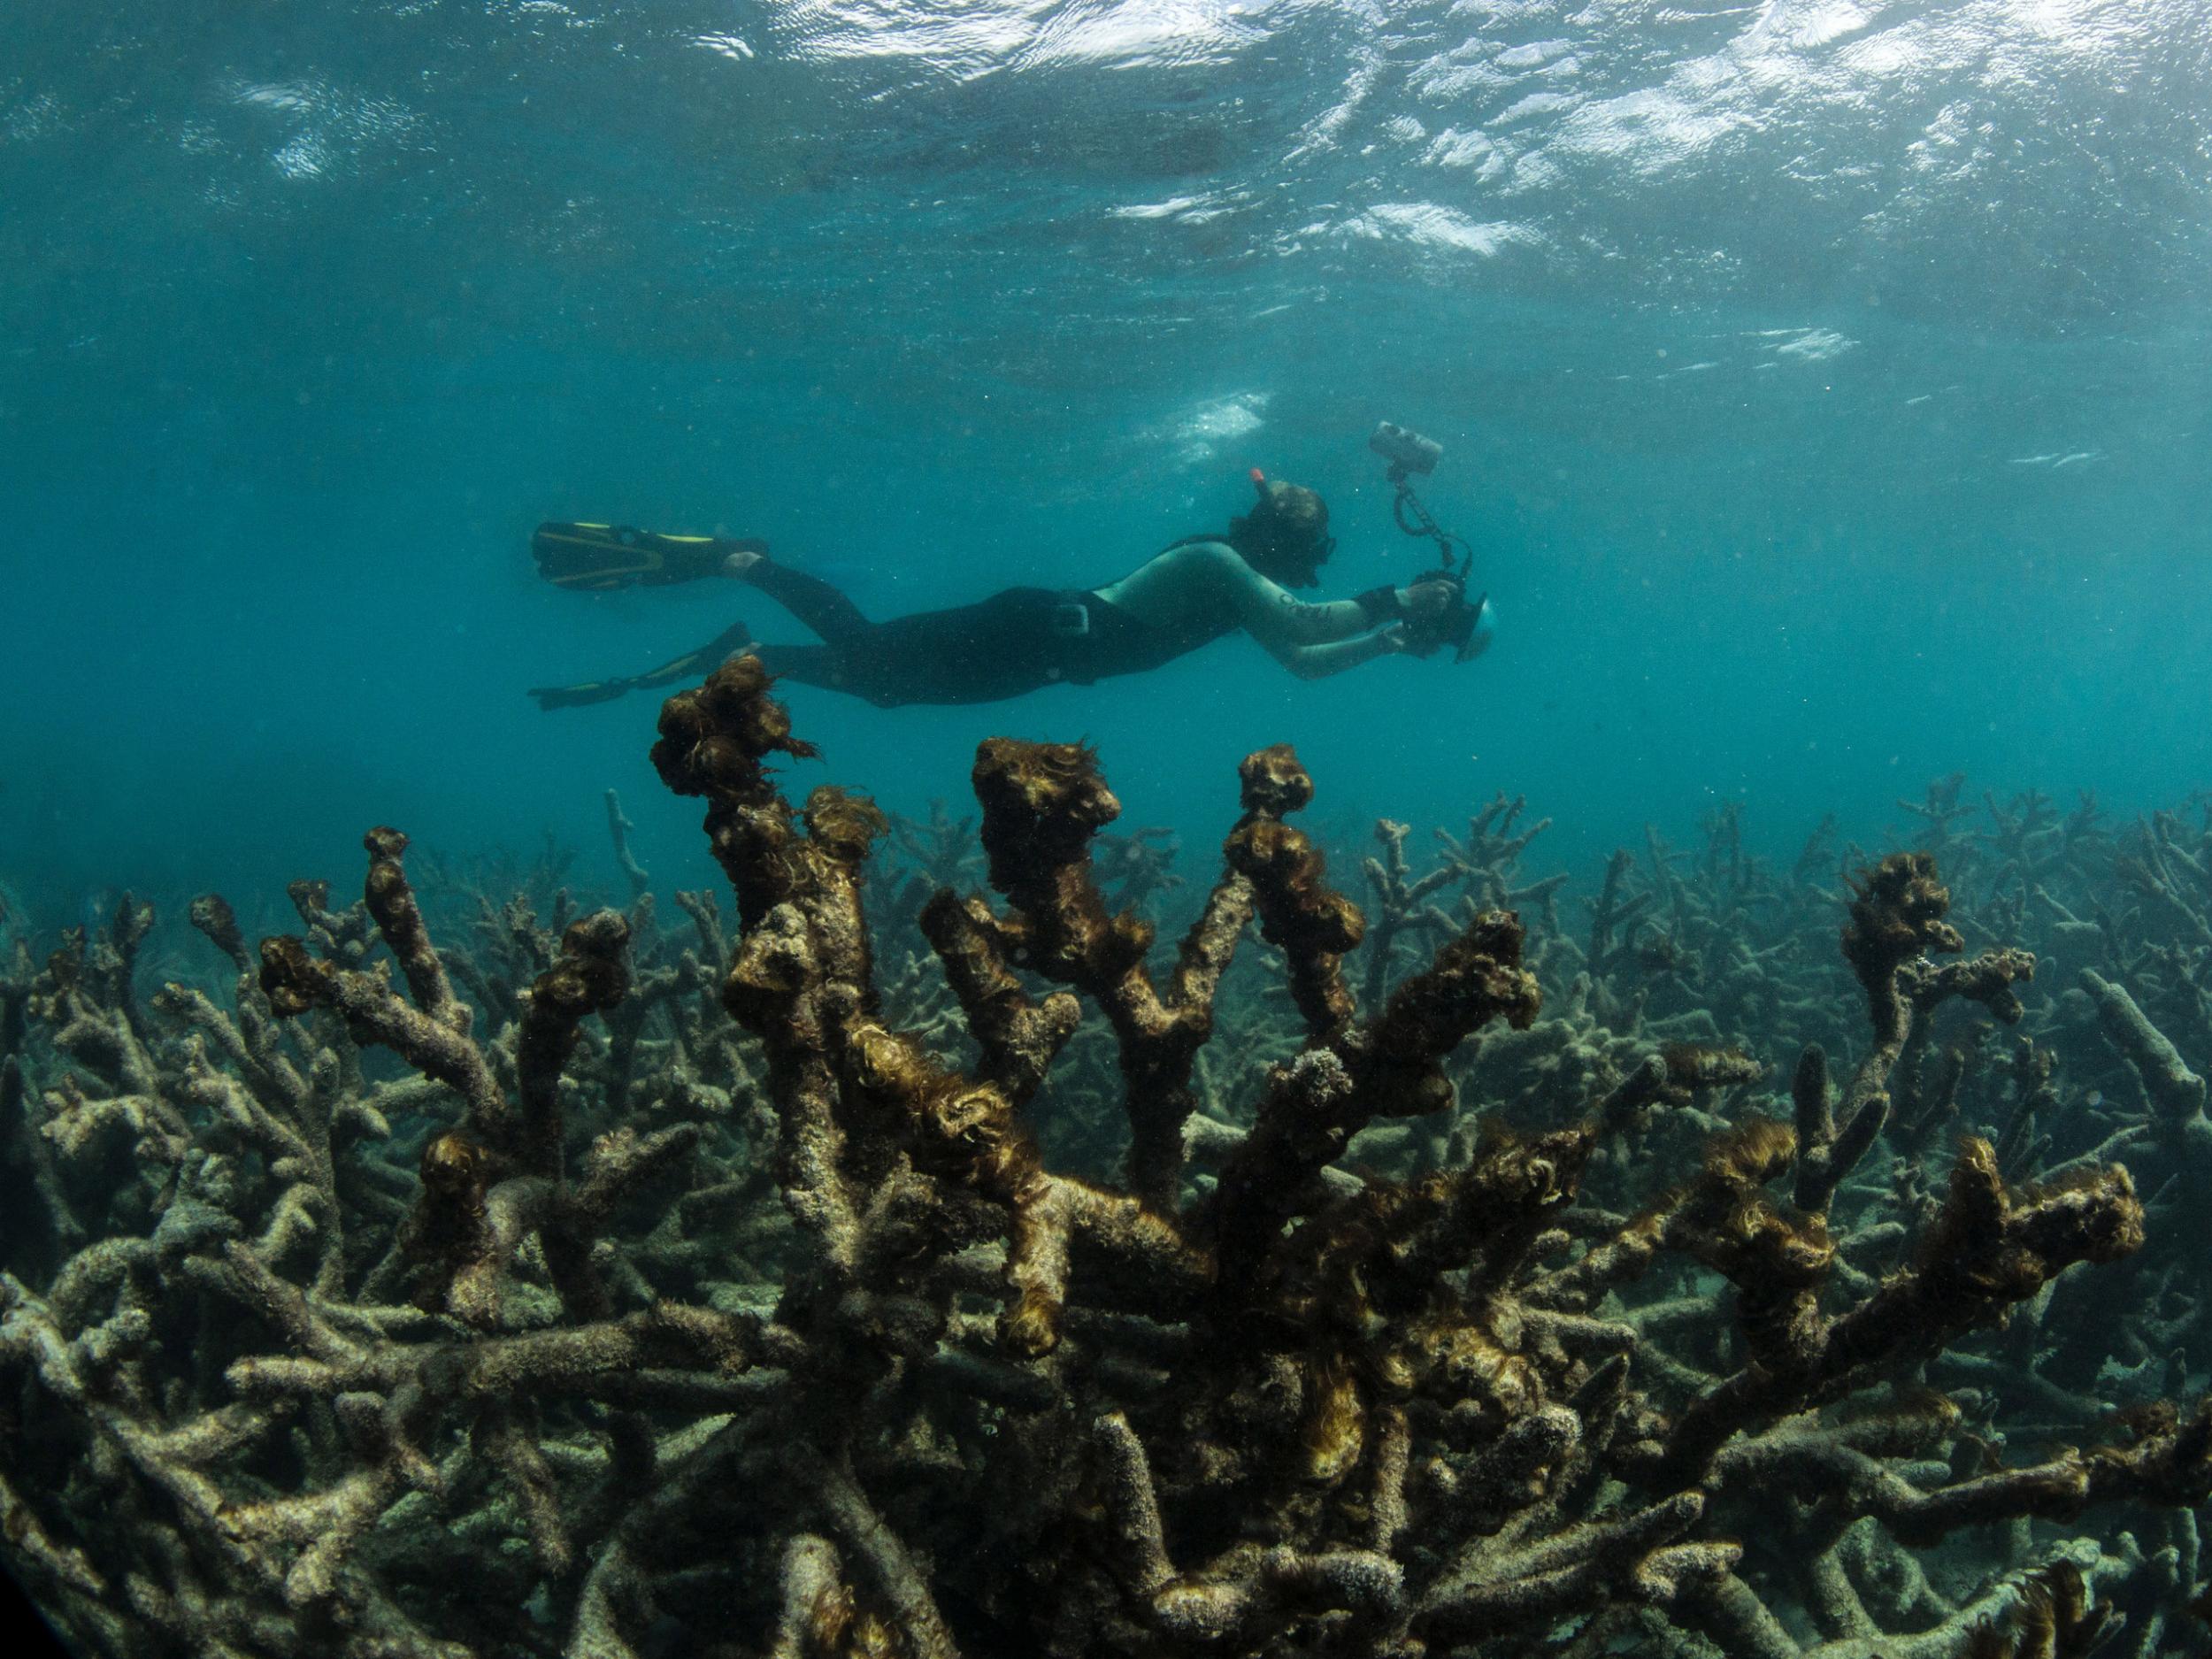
(827, 667)
(978, 653)
(1000, 648)
(811, 599)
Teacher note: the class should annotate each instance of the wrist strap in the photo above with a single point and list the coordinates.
(1380, 605)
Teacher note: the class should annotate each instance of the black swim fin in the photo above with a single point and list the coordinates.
(692, 665)
(552, 697)
(701, 661)
(596, 557)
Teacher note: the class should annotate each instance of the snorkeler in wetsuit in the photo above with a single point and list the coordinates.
(1189, 595)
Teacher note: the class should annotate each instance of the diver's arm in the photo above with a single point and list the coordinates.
(1277, 618)
(1211, 578)
(1318, 661)
(1270, 614)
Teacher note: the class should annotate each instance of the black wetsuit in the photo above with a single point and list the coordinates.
(1013, 642)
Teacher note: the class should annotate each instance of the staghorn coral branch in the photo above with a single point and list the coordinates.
(391, 902)
(1247, 1589)
(1388, 1068)
(1897, 913)
(1042, 804)
(1989, 1249)
(2177, 1092)
(1019, 1038)
(801, 970)
(619, 828)
(1399, 900)
(295, 982)
(1494, 1588)
(1313, 925)
(591, 976)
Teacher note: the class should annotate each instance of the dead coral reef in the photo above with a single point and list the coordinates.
(714, 1293)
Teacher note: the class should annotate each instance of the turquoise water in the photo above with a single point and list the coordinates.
(1824, 386)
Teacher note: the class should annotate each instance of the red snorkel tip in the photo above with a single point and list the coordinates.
(1259, 481)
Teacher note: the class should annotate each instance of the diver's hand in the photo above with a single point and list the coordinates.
(740, 562)
(1428, 597)
(1396, 638)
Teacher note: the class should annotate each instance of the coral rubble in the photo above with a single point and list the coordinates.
(721, 1291)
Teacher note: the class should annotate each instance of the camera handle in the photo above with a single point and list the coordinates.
(1412, 516)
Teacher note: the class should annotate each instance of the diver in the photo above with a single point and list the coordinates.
(1188, 594)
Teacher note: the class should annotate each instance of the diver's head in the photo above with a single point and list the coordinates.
(1285, 536)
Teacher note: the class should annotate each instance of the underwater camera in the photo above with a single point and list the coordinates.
(1410, 454)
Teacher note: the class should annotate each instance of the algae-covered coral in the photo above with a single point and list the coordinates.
(792, 1289)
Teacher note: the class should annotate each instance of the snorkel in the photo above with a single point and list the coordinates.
(1459, 624)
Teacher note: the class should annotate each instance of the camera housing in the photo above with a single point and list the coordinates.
(1406, 449)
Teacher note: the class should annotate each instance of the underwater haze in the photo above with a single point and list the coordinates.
(1823, 386)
